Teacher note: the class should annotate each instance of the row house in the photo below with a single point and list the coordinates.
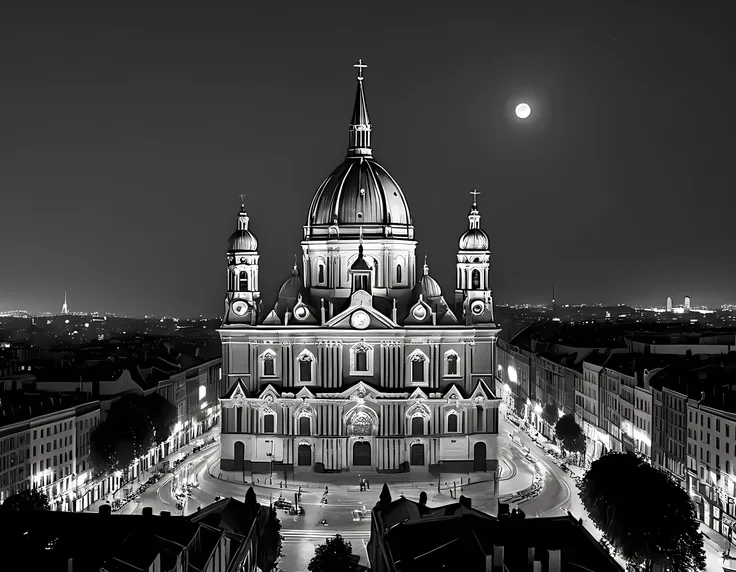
(513, 376)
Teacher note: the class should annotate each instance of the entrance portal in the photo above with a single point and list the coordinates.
(362, 454)
(304, 457)
(417, 454)
(479, 456)
(239, 456)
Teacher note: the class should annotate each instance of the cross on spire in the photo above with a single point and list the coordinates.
(360, 65)
(475, 197)
(242, 199)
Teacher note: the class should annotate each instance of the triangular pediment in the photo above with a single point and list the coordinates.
(305, 393)
(360, 390)
(272, 319)
(376, 320)
(453, 393)
(482, 391)
(269, 394)
(237, 391)
(418, 394)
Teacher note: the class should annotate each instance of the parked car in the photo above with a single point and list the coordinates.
(296, 511)
(281, 502)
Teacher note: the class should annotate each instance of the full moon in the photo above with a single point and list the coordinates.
(523, 110)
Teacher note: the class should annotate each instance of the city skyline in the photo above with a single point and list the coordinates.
(127, 160)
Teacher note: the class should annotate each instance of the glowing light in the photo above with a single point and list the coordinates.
(202, 392)
(203, 406)
(513, 378)
(537, 409)
(523, 110)
(177, 427)
(560, 413)
(506, 387)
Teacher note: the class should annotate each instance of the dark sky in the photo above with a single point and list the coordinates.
(128, 130)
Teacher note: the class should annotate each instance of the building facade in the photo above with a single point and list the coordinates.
(361, 364)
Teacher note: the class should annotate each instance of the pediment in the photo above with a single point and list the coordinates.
(419, 313)
(305, 393)
(269, 394)
(453, 393)
(370, 319)
(272, 319)
(302, 314)
(418, 394)
(482, 391)
(237, 391)
(360, 391)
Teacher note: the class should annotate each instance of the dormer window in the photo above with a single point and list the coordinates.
(243, 281)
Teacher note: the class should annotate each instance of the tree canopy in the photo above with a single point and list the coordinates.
(643, 513)
(271, 539)
(29, 499)
(551, 414)
(332, 556)
(133, 426)
(570, 433)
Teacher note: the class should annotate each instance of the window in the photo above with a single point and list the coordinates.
(243, 281)
(320, 273)
(475, 279)
(418, 367)
(452, 423)
(305, 425)
(417, 370)
(269, 422)
(305, 361)
(361, 359)
(451, 362)
(398, 274)
(417, 425)
(478, 418)
(269, 363)
(238, 419)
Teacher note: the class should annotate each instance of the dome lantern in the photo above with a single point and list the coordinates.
(474, 238)
(359, 137)
(242, 240)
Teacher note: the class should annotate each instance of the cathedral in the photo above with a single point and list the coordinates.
(362, 365)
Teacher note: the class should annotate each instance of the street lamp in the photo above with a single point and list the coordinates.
(270, 455)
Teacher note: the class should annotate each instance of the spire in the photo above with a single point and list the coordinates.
(295, 271)
(474, 216)
(242, 215)
(64, 308)
(359, 142)
(426, 266)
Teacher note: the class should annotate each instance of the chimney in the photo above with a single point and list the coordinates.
(464, 501)
(165, 513)
(322, 312)
(497, 557)
(555, 561)
(105, 509)
(147, 511)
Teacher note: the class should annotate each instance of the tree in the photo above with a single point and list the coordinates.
(570, 433)
(550, 414)
(162, 414)
(332, 556)
(29, 499)
(271, 541)
(651, 522)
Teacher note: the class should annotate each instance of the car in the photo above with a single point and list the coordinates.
(281, 502)
(218, 498)
(296, 511)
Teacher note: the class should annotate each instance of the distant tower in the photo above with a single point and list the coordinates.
(669, 303)
(242, 303)
(64, 308)
(473, 296)
(554, 298)
(687, 303)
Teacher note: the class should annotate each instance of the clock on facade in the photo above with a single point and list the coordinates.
(360, 320)
(419, 312)
(240, 308)
(477, 308)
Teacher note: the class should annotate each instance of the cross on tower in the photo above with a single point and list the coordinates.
(242, 200)
(360, 65)
(475, 196)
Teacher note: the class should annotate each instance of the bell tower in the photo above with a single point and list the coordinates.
(243, 301)
(473, 295)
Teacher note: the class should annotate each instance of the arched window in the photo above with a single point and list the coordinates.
(452, 363)
(418, 365)
(417, 370)
(475, 279)
(243, 282)
(417, 425)
(452, 423)
(361, 359)
(305, 361)
(269, 423)
(321, 273)
(305, 425)
(269, 364)
(398, 273)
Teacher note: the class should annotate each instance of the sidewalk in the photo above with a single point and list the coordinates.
(129, 507)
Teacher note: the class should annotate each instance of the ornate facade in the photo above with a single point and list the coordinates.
(361, 364)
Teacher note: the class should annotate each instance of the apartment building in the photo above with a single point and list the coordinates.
(598, 441)
(87, 419)
(643, 420)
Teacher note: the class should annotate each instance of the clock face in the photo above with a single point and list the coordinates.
(360, 320)
(240, 308)
(301, 312)
(477, 308)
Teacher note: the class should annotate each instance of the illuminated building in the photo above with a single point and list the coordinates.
(669, 303)
(64, 308)
(687, 304)
(361, 363)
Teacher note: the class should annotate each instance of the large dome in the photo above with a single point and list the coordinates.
(359, 192)
(474, 239)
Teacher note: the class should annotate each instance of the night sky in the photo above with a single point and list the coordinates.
(128, 130)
